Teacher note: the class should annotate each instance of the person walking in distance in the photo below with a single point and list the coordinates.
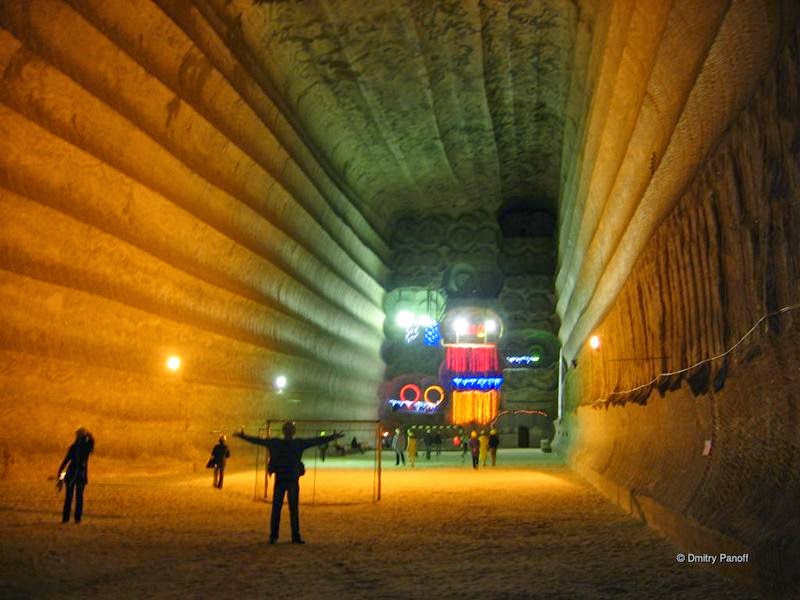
(427, 440)
(285, 461)
(494, 442)
(412, 449)
(76, 476)
(474, 448)
(399, 447)
(219, 456)
(323, 448)
(483, 452)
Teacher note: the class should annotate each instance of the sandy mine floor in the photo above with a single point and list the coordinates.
(527, 529)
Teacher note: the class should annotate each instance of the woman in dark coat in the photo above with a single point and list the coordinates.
(219, 456)
(77, 474)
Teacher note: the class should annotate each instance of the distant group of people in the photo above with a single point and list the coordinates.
(481, 447)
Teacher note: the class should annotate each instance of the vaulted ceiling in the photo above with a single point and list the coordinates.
(441, 106)
(599, 112)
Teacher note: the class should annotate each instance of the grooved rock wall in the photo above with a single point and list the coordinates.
(153, 201)
(670, 79)
(724, 257)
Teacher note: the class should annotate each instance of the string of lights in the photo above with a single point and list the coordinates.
(517, 412)
(774, 313)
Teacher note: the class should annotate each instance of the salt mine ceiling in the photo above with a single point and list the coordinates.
(440, 106)
(599, 112)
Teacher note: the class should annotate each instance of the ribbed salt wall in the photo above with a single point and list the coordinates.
(155, 201)
(727, 255)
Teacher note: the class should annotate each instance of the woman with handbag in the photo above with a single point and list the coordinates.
(219, 456)
(76, 475)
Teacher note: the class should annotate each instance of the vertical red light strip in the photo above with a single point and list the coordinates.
(462, 359)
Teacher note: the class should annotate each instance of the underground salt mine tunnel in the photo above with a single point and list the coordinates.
(571, 222)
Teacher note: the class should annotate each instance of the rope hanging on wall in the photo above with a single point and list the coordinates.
(655, 379)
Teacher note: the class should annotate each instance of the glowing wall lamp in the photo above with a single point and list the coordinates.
(594, 342)
(174, 363)
(280, 383)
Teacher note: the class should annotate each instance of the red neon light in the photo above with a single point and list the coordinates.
(465, 359)
(414, 388)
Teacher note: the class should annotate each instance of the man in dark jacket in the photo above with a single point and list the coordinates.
(285, 462)
(427, 439)
(494, 442)
(219, 456)
(77, 474)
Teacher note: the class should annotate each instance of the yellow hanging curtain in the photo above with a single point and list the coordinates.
(475, 407)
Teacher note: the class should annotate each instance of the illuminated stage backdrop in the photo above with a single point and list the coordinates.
(472, 373)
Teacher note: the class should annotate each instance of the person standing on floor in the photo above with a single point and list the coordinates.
(474, 448)
(437, 443)
(412, 448)
(427, 440)
(219, 456)
(285, 461)
(483, 452)
(323, 448)
(76, 476)
(494, 442)
(399, 447)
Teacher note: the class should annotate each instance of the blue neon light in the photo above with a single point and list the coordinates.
(418, 406)
(433, 335)
(476, 383)
(523, 360)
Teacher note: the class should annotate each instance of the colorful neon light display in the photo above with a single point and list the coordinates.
(472, 359)
(426, 404)
(475, 407)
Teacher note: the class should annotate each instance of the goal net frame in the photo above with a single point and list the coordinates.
(368, 425)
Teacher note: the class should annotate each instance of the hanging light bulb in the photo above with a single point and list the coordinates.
(460, 326)
(405, 319)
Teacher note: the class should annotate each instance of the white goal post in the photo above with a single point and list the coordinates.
(339, 452)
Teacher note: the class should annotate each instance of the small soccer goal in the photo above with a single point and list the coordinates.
(344, 471)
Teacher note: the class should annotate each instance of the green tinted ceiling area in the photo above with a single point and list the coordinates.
(600, 112)
(440, 106)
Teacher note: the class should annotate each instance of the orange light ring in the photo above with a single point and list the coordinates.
(438, 388)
